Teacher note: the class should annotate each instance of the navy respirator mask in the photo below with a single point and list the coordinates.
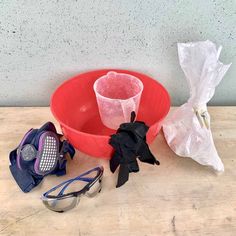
(40, 153)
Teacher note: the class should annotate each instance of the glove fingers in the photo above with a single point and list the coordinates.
(114, 162)
(146, 156)
(123, 175)
(133, 166)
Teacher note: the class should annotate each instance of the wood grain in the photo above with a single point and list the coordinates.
(179, 197)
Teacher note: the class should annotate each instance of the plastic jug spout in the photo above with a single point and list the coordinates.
(111, 74)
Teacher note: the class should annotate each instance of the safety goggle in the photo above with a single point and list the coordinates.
(61, 201)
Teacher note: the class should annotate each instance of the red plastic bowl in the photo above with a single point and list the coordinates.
(74, 106)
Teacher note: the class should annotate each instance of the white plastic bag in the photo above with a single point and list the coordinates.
(187, 131)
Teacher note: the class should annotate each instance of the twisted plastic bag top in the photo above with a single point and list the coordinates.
(187, 131)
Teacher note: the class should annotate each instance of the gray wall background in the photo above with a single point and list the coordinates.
(44, 42)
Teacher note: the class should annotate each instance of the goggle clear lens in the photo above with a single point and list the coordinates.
(61, 204)
(94, 189)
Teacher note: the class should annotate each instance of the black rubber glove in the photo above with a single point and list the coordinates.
(129, 143)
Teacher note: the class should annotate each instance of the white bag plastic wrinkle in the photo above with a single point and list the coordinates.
(187, 131)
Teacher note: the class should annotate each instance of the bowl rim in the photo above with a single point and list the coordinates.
(105, 70)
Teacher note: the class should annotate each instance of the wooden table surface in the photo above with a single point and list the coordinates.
(179, 197)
